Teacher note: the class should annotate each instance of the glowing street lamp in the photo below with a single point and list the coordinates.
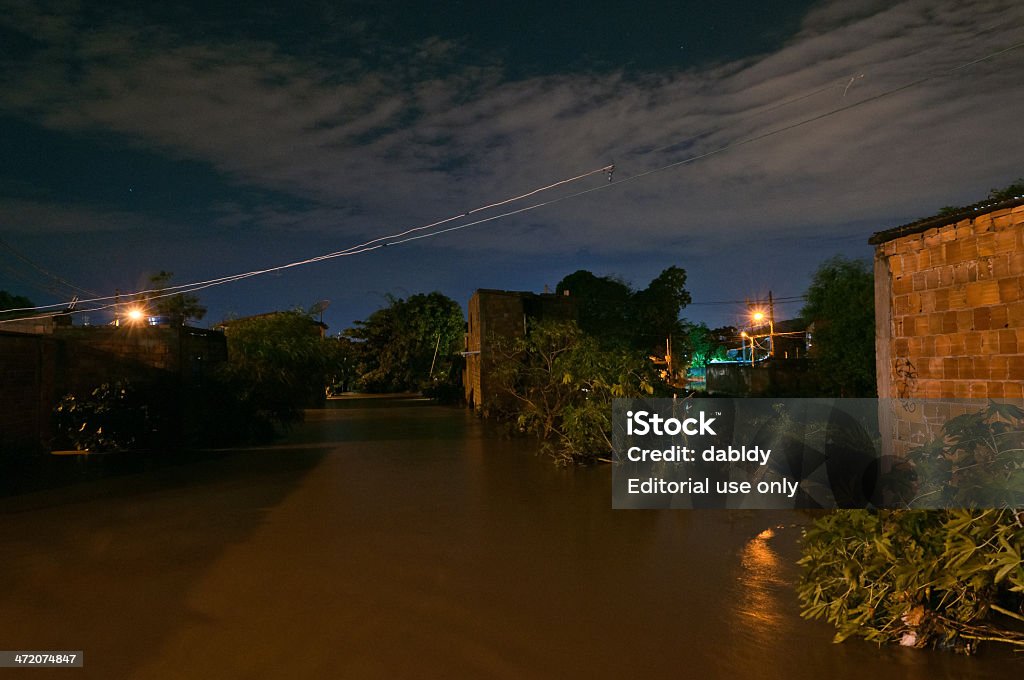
(758, 317)
(135, 315)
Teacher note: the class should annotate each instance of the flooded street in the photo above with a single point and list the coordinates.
(393, 538)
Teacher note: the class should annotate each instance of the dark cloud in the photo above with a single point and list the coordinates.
(352, 145)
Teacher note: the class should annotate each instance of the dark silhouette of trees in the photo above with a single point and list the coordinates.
(841, 304)
(10, 301)
(618, 316)
(411, 344)
(602, 303)
(177, 308)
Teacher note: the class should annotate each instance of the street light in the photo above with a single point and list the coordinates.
(758, 317)
(135, 315)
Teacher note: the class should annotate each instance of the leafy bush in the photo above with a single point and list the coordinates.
(921, 578)
(278, 364)
(558, 384)
(115, 416)
(975, 461)
(410, 344)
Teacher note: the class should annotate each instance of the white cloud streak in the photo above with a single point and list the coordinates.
(372, 151)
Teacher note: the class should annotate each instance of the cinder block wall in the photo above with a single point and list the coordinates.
(491, 314)
(37, 370)
(950, 308)
(502, 314)
(27, 364)
(949, 318)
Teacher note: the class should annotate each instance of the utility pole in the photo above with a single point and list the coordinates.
(771, 326)
(433, 361)
(668, 357)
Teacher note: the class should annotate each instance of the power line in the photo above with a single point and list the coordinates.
(779, 300)
(402, 237)
(372, 244)
(50, 275)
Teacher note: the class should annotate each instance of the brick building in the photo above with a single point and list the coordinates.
(949, 315)
(949, 304)
(502, 314)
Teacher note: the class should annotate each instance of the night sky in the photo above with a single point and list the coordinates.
(208, 140)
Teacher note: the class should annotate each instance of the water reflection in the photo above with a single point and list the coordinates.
(762, 580)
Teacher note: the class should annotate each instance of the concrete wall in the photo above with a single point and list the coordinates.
(494, 314)
(36, 371)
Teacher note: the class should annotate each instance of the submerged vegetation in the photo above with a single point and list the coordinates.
(932, 578)
(950, 578)
(559, 383)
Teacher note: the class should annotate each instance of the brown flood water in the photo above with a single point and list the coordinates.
(394, 539)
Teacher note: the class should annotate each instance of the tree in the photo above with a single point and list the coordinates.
(10, 301)
(178, 308)
(654, 312)
(705, 344)
(601, 305)
(343, 362)
(618, 316)
(277, 365)
(841, 305)
(409, 343)
(561, 383)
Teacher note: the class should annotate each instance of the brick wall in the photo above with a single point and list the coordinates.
(491, 314)
(949, 315)
(953, 322)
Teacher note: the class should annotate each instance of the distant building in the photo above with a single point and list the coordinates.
(792, 339)
(505, 314)
(779, 366)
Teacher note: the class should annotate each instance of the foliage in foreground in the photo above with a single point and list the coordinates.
(974, 461)
(113, 417)
(559, 384)
(949, 578)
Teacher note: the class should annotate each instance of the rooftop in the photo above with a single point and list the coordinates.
(945, 218)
